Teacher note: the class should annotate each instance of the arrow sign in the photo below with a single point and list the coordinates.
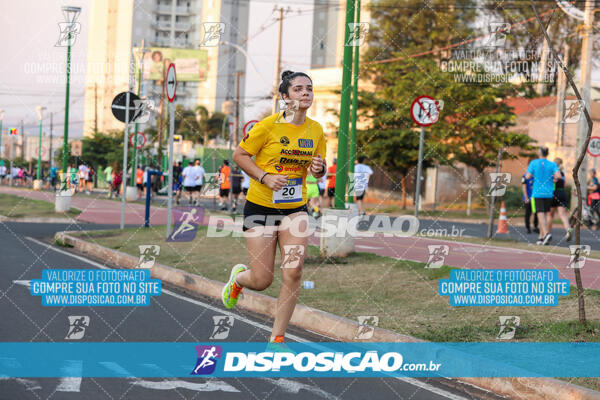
(171, 82)
(118, 106)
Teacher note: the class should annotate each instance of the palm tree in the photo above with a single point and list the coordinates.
(202, 118)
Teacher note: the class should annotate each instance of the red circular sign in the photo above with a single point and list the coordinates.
(593, 148)
(171, 82)
(425, 111)
(141, 140)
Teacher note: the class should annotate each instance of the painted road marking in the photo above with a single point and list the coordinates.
(411, 381)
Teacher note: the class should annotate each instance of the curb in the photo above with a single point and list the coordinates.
(41, 220)
(522, 388)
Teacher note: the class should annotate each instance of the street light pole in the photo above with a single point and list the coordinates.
(71, 13)
(1, 148)
(40, 111)
(352, 151)
(341, 174)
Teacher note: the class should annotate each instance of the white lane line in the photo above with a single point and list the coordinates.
(433, 389)
(294, 387)
(362, 246)
(28, 383)
(412, 381)
(190, 300)
(72, 383)
(210, 386)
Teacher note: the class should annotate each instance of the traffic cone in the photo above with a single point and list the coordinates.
(502, 221)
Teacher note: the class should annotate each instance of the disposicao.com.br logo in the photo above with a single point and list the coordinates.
(218, 361)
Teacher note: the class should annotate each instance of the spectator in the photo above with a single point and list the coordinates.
(544, 172)
(139, 181)
(116, 183)
(2, 171)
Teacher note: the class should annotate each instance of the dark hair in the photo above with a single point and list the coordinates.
(361, 159)
(226, 162)
(544, 151)
(286, 80)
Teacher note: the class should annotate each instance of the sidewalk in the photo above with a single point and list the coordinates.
(97, 210)
(460, 254)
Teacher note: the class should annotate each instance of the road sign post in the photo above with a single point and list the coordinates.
(122, 108)
(171, 89)
(425, 111)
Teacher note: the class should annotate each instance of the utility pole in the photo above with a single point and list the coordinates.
(341, 174)
(561, 87)
(95, 107)
(277, 62)
(134, 160)
(50, 155)
(541, 85)
(586, 76)
(352, 152)
(161, 120)
(237, 108)
(23, 141)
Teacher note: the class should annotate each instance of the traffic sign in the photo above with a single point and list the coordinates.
(118, 106)
(425, 111)
(76, 148)
(249, 125)
(594, 146)
(171, 82)
(141, 140)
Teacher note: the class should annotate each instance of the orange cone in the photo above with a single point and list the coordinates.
(502, 221)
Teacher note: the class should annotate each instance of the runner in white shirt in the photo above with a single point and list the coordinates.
(362, 173)
(245, 182)
(189, 181)
(199, 174)
(2, 172)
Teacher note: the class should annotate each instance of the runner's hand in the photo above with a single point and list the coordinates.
(275, 182)
(317, 164)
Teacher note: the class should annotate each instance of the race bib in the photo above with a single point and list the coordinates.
(290, 193)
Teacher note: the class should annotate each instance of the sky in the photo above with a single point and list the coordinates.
(33, 69)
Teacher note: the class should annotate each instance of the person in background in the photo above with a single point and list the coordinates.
(594, 193)
(245, 183)
(53, 177)
(2, 171)
(236, 186)
(83, 174)
(331, 182)
(312, 194)
(189, 183)
(527, 185)
(116, 184)
(225, 184)
(108, 175)
(90, 179)
(177, 181)
(139, 181)
(544, 173)
(559, 202)
(362, 173)
(199, 175)
(322, 184)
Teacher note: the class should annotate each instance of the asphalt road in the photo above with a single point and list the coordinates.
(173, 316)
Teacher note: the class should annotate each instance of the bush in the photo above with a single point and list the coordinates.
(513, 198)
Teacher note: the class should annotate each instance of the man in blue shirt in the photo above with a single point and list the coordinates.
(527, 185)
(544, 172)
